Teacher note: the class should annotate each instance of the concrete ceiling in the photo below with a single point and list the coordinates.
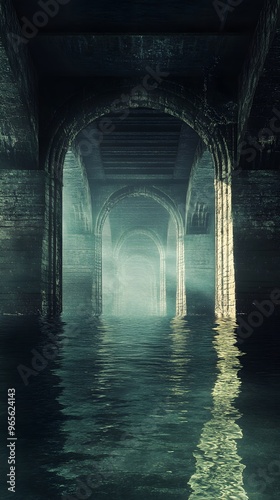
(145, 145)
(88, 43)
(157, 16)
(128, 55)
(90, 38)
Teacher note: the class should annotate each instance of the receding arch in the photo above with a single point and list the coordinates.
(164, 200)
(139, 231)
(160, 247)
(133, 191)
(150, 285)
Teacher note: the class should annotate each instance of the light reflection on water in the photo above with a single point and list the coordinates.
(141, 410)
(219, 468)
(137, 397)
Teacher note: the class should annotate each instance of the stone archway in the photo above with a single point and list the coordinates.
(172, 99)
(164, 200)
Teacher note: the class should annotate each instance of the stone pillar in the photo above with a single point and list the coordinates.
(97, 276)
(162, 281)
(116, 290)
(181, 304)
(225, 305)
(52, 248)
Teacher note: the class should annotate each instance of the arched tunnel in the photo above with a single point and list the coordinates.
(96, 120)
(139, 249)
(157, 209)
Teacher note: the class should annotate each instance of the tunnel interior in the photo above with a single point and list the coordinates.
(153, 247)
(139, 248)
(94, 112)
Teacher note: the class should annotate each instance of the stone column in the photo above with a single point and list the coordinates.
(97, 276)
(162, 294)
(181, 304)
(225, 279)
(223, 151)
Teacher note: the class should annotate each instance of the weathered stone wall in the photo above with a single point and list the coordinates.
(256, 221)
(22, 211)
(78, 242)
(77, 272)
(200, 273)
(200, 237)
(77, 209)
(18, 103)
(22, 185)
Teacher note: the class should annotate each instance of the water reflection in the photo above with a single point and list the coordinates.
(134, 399)
(118, 412)
(179, 348)
(38, 416)
(219, 470)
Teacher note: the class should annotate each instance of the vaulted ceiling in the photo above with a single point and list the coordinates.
(146, 144)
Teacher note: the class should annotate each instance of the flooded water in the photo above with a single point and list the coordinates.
(140, 409)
